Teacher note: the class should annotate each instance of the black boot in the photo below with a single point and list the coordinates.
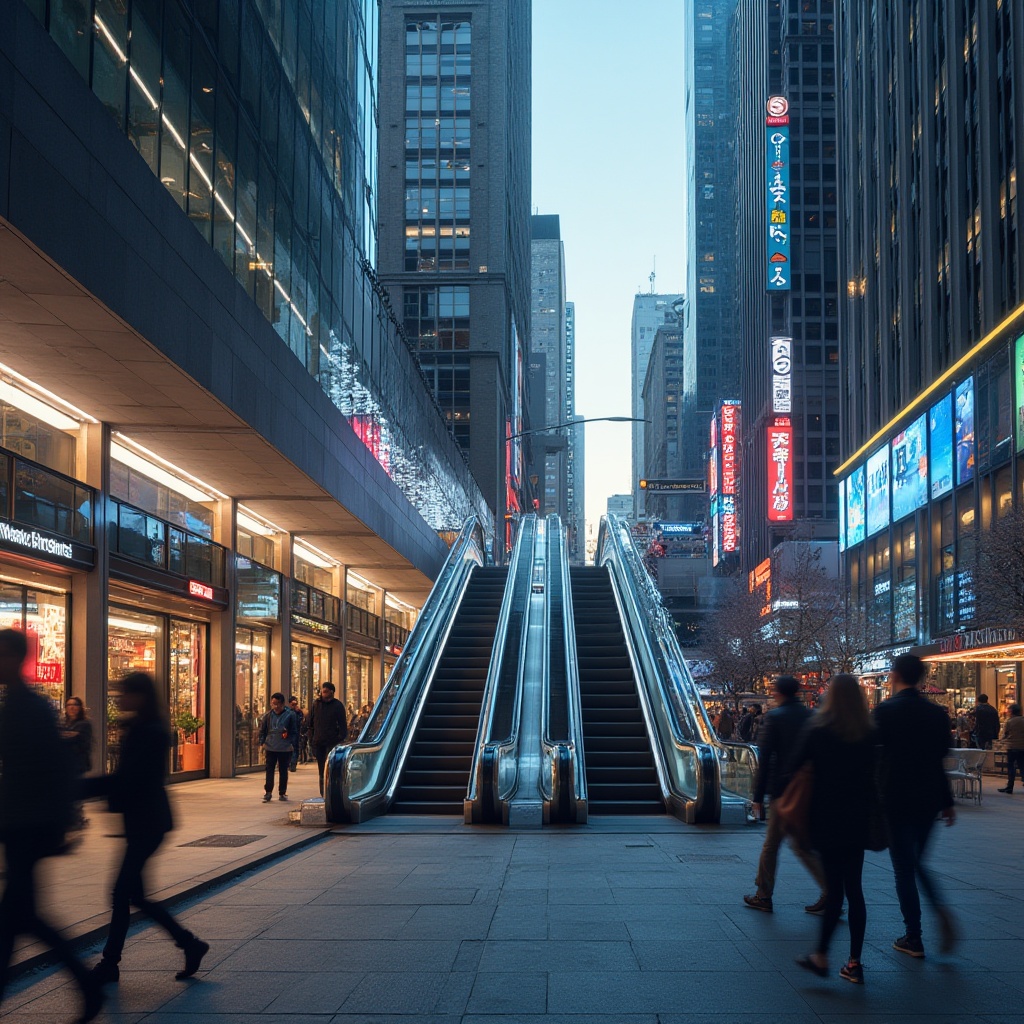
(195, 949)
(1006, 789)
(106, 971)
(92, 1000)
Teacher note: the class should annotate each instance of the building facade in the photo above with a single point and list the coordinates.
(219, 462)
(787, 267)
(931, 326)
(454, 199)
(576, 461)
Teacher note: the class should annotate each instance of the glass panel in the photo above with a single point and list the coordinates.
(174, 110)
(69, 26)
(199, 559)
(257, 591)
(204, 80)
(5, 493)
(46, 624)
(133, 540)
(31, 438)
(176, 561)
(133, 642)
(252, 653)
(109, 57)
(45, 500)
(187, 695)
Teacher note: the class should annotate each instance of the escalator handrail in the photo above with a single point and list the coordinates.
(684, 694)
(493, 757)
(397, 709)
(565, 787)
(644, 621)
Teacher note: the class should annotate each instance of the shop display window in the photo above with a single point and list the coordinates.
(311, 667)
(33, 439)
(134, 644)
(358, 679)
(43, 616)
(252, 660)
(187, 697)
(137, 489)
(313, 575)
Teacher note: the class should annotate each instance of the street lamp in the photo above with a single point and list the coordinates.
(573, 423)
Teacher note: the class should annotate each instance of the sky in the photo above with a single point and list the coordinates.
(608, 159)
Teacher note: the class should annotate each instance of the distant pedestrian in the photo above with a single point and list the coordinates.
(839, 742)
(137, 790)
(745, 726)
(278, 736)
(913, 734)
(1013, 734)
(328, 726)
(986, 722)
(777, 743)
(76, 732)
(35, 812)
(725, 725)
(300, 729)
(755, 730)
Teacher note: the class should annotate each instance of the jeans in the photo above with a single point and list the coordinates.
(908, 839)
(843, 869)
(129, 888)
(281, 758)
(1014, 760)
(321, 750)
(768, 863)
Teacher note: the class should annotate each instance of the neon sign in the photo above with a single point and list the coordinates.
(780, 481)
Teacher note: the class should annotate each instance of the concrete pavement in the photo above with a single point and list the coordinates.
(631, 922)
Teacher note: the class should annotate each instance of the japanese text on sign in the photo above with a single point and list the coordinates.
(780, 471)
(777, 195)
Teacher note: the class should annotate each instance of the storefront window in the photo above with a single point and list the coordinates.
(187, 697)
(258, 591)
(134, 644)
(313, 575)
(43, 616)
(137, 489)
(358, 680)
(311, 667)
(252, 660)
(33, 439)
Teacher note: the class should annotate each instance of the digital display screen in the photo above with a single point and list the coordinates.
(878, 491)
(842, 515)
(909, 469)
(1018, 378)
(963, 425)
(855, 507)
(940, 441)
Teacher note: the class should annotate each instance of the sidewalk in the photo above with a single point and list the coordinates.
(75, 890)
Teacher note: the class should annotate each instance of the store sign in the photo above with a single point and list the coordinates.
(308, 625)
(780, 482)
(974, 639)
(201, 590)
(49, 672)
(782, 374)
(730, 446)
(673, 486)
(730, 528)
(42, 544)
(777, 194)
(874, 662)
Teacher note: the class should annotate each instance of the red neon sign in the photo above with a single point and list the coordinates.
(780, 471)
(202, 590)
(730, 447)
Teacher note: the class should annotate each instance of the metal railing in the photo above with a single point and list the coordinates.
(361, 777)
(36, 496)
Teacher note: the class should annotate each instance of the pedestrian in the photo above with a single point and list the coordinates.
(839, 743)
(293, 705)
(278, 736)
(328, 726)
(777, 743)
(725, 724)
(1013, 734)
(745, 726)
(755, 729)
(76, 732)
(36, 808)
(986, 722)
(914, 737)
(137, 791)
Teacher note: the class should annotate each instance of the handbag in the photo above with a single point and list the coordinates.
(794, 805)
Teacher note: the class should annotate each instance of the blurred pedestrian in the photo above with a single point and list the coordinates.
(839, 742)
(328, 726)
(279, 734)
(1013, 734)
(986, 722)
(913, 734)
(137, 791)
(76, 732)
(777, 743)
(725, 724)
(36, 807)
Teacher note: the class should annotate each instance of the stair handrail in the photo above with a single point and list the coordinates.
(360, 777)
(493, 775)
(684, 750)
(564, 778)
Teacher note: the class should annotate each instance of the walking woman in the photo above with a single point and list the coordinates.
(136, 790)
(76, 732)
(839, 742)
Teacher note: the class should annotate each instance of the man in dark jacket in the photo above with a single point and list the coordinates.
(777, 742)
(328, 726)
(35, 811)
(914, 736)
(986, 722)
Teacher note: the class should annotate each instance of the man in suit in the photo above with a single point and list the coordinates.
(986, 722)
(777, 741)
(914, 736)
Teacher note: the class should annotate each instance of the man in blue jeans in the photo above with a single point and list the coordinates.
(277, 737)
(914, 737)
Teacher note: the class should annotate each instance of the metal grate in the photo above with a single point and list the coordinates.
(706, 858)
(224, 841)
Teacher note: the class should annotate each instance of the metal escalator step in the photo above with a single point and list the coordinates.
(597, 807)
(429, 761)
(399, 806)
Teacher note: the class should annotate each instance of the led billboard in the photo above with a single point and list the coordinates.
(963, 427)
(909, 469)
(1018, 377)
(940, 443)
(855, 507)
(780, 470)
(878, 491)
(842, 515)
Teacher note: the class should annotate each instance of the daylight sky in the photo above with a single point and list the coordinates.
(608, 159)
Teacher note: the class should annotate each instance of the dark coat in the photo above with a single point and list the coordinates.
(986, 724)
(80, 744)
(328, 723)
(914, 737)
(136, 789)
(776, 744)
(844, 781)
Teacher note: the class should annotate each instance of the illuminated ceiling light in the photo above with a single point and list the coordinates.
(170, 477)
(131, 624)
(360, 582)
(247, 522)
(50, 403)
(395, 603)
(314, 557)
(31, 405)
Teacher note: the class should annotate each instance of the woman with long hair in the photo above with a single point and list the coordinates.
(136, 790)
(839, 742)
(76, 732)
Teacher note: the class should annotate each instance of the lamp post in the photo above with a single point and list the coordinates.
(573, 423)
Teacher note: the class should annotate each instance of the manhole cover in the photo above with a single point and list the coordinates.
(224, 841)
(706, 858)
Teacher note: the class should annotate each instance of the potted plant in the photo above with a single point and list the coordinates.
(193, 753)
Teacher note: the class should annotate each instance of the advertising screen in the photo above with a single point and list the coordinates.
(1018, 389)
(963, 425)
(855, 507)
(940, 440)
(878, 491)
(909, 469)
(842, 515)
(778, 206)
(730, 446)
(780, 471)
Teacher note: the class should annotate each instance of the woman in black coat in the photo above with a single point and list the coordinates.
(839, 742)
(136, 790)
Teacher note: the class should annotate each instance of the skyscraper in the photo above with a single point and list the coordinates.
(575, 473)
(454, 184)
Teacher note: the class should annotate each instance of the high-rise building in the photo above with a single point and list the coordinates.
(575, 471)
(663, 403)
(931, 332)
(650, 311)
(454, 200)
(220, 463)
(787, 271)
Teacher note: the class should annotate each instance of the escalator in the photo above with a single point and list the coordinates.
(620, 769)
(437, 767)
